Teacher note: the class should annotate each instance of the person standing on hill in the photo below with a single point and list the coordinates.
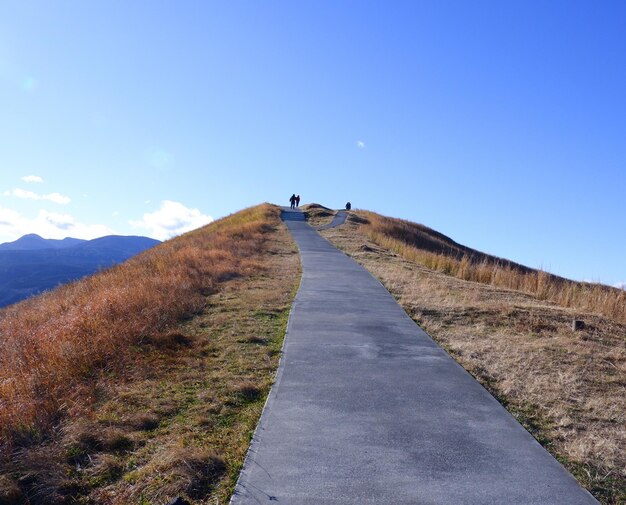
(293, 201)
(298, 201)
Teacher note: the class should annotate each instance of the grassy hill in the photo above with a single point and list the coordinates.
(145, 382)
(511, 327)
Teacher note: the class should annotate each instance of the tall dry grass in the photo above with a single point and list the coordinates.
(435, 251)
(53, 345)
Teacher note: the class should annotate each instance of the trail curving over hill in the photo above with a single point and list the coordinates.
(338, 220)
(367, 409)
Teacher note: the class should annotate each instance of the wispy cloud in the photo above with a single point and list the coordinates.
(31, 195)
(13, 225)
(32, 178)
(171, 219)
(360, 144)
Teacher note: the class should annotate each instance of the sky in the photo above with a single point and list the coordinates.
(499, 124)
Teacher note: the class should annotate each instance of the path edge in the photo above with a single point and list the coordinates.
(250, 454)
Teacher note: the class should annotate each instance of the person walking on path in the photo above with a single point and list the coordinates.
(293, 201)
(298, 201)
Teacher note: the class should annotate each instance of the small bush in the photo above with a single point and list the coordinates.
(190, 471)
(10, 493)
(105, 469)
(85, 439)
(145, 421)
(248, 390)
(115, 440)
(169, 340)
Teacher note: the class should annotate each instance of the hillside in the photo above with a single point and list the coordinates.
(143, 383)
(32, 264)
(511, 328)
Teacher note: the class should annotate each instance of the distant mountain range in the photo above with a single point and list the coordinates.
(33, 264)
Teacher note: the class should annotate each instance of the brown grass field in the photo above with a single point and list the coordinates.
(145, 382)
(510, 327)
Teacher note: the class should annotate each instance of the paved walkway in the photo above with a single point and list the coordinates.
(367, 409)
(338, 219)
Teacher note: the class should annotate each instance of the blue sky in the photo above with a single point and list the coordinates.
(500, 124)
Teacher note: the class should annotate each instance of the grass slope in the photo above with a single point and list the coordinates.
(511, 329)
(145, 382)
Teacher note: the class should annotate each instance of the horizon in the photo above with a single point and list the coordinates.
(621, 286)
(70, 237)
(500, 126)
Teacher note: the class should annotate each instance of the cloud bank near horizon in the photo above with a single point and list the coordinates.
(48, 225)
(171, 219)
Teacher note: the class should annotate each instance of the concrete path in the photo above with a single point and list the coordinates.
(338, 219)
(367, 409)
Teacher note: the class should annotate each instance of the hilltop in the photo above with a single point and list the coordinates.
(32, 241)
(145, 382)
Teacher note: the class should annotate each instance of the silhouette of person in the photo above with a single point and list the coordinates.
(298, 201)
(293, 201)
(348, 206)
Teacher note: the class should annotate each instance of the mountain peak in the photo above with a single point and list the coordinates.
(27, 242)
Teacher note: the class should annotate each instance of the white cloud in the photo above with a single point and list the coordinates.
(360, 144)
(620, 285)
(57, 198)
(32, 178)
(172, 219)
(47, 224)
(31, 195)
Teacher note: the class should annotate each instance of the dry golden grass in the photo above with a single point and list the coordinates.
(422, 245)
(567, 388)
(145, 382)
